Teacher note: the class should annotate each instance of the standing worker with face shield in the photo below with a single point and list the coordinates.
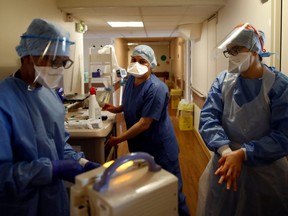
(34, 155)
(244, 122)
(145, 107)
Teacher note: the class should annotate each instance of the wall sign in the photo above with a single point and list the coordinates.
(163, 57)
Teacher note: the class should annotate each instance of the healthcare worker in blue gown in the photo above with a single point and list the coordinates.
(145, 107)
(34, 155)
(244, 121)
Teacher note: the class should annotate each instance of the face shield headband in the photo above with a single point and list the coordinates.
(247, 26)
(37, 45)
(236, 32)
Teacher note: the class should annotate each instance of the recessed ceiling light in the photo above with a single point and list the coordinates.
(126, 24)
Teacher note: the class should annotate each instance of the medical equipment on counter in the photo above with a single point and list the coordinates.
(84, 124)
(75, 97)
(138, 190)
(123, 74)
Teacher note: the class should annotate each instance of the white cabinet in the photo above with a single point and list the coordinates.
(100, 69)
(101, 75)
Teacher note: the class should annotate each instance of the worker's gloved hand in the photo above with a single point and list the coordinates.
(91, 165)
(66, 169)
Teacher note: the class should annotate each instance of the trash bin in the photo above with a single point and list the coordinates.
(176, 95)
(185, 114)
(169, 84)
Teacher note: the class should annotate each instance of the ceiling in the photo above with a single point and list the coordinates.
(161, 18)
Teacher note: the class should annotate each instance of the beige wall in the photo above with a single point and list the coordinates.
(177, 61)
(159, 50)
(121, 50)
(162, 50)
(15, 16)
(173, 50)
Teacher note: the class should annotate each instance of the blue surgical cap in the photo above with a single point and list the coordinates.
(248, 38)
(147, 53)
(44, 37)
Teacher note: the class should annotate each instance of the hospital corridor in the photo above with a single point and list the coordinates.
(193, 159)
(144, 108)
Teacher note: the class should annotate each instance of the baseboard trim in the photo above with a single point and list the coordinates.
(202, 144)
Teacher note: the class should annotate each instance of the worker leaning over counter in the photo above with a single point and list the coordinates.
(34, 155)
(145, 107)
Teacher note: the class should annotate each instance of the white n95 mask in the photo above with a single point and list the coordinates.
(136, 69)
(239, 63)
(49, 77)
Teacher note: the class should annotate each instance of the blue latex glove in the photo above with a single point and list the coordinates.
(66, 169)
(91, 165)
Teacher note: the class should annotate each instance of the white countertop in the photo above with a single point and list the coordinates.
(90, 133)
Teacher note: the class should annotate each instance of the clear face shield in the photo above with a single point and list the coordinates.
(50, 57)
(238, 45)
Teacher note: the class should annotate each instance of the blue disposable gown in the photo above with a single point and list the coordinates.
(252, 114)
(32, 134)
(150, 99)
(245, 91)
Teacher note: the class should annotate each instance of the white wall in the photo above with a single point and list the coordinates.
(241, 11)
(235, 12)
(200, 62)
(205, 59)
(97, 42)
(15, 16)
(211, 57)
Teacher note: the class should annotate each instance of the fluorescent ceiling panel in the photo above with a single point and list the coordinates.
(125, 24)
